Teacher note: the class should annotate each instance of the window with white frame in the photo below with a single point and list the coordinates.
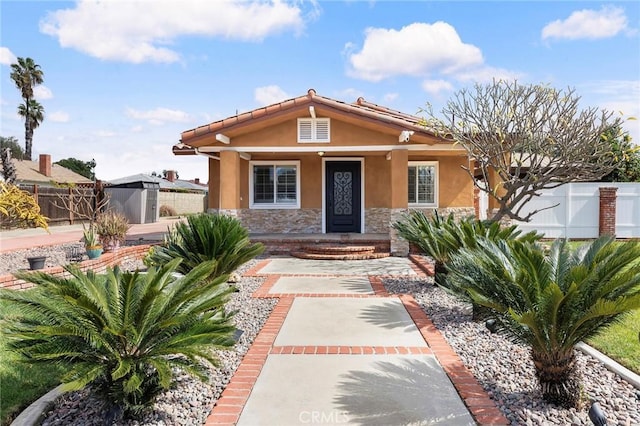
(423, 183)
(274, 185)
(314, 130)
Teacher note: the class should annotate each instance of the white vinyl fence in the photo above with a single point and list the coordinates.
(577, 212)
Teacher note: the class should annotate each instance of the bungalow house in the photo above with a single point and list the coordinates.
(315, 165)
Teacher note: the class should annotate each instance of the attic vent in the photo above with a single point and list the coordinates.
(314, 130)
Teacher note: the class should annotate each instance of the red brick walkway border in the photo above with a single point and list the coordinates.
(231, 403)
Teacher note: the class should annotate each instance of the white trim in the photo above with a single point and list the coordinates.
(329, 148)
(324, 189)
(245, 156)
(223, 138)
(313, 122)
(274, 205)
(312, 111)
(436, 187)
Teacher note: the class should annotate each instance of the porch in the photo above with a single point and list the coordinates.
(285, 244)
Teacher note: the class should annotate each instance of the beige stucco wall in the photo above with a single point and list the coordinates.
(183, 203)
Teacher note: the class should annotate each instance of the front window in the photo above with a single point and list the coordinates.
(423, 183)
(275, 185)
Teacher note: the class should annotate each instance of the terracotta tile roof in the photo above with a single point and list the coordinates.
(360, 108)
(29, 172)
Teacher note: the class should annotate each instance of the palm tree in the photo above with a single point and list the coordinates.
(122, 333)
(550, 302)
(26, 74)
(32, 112)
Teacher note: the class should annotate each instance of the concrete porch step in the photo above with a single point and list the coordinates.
(338, 249)
(339, 256)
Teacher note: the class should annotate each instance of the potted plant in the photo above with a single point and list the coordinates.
(91, 243)
(36, 262)
(111, 228)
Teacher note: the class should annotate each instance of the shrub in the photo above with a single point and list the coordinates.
(166, 211)
(122, 333)
(112, 228)
(19, 209)
(551, 301)
(441, 238)
(206, 236)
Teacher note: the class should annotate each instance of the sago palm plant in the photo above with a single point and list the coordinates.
(429, 235)
(550, 302)
(204, 237)
(122, 333)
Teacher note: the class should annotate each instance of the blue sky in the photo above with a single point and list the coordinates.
(124, 78)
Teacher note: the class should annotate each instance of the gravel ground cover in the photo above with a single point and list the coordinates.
(503, 368)
(189, 401)
(506, 371)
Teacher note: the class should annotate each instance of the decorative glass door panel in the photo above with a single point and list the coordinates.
(343, 196)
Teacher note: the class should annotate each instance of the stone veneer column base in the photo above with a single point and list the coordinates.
(399, 246)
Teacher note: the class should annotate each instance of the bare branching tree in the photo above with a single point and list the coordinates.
(533, 137)
(84, 203)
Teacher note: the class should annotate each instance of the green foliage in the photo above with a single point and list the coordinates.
(204, 237)
(32, 110)
(626, 154)
(14, 146)
(21, 383)
(84, 168)
(551, 301)
(90, 237)
(441, 238)
(26, 74)
(18, 209)
(122, 333)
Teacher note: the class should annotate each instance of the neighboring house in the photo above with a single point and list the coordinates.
(312, 164)
(46, 174)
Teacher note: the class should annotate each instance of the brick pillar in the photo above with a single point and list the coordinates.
(607, 222)
(476, 201)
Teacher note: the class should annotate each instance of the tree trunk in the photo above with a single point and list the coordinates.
(28, 136)
(558, 377)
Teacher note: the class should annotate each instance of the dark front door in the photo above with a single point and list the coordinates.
(343, 200)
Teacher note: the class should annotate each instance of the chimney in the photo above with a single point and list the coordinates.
(197, 181)
(45, 164)
(171, 175)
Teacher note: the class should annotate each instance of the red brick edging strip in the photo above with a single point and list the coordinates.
(228, 408)
(482, 408)
(419, 263)
(98, 265)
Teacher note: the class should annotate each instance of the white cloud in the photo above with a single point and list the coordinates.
(58, 117)
(159, 116)
(587, 24)
(268, 95)
(434, 87)
(6, 56)
(104, 133)
(390, 97)
(136, 129)
(42, 92)
(140, 31)
(620, 97)
(418, 49)
(486, 74)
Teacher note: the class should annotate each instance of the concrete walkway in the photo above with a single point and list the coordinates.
(338, 349)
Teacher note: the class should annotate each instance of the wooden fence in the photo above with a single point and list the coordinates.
(52, 201)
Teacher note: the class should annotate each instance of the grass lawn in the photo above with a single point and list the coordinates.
(21, 383)
(620, 342)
